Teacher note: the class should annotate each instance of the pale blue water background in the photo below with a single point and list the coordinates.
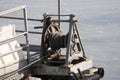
(98, 23)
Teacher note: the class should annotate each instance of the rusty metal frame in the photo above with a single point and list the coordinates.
(72, 25)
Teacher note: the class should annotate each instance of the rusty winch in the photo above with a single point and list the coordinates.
(72, 65)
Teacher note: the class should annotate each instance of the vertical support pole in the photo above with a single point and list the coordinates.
(59, 11)
(68, 52)
(26, 36)
(44, 19)
(81, 46)
(43, 52)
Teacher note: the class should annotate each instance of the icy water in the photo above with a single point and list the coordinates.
(98, 24)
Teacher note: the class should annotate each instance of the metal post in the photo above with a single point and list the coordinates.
(68, 52)
(44, 19)
(44, 26)
(26, 30)
(81, 46)
(59, 11)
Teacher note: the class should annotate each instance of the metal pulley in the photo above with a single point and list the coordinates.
(52, 37)
(56, 40)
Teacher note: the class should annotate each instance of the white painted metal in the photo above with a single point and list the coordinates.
(85, 65)
(12, 61)
(12, 10)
